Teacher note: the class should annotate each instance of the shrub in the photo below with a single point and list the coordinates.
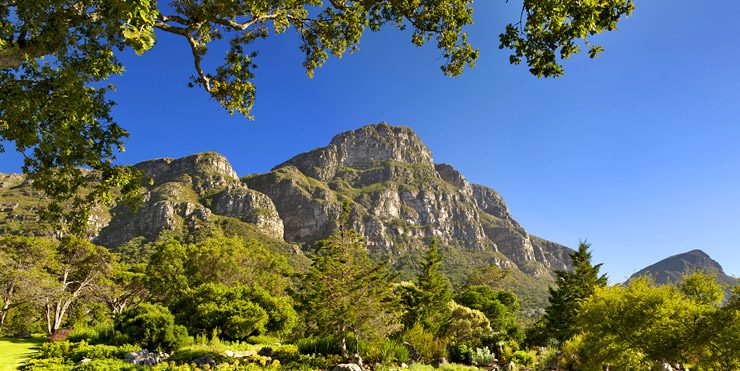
(481, 356)
(105, 364)
(59, 349)
(429, 347)
(523, 358)
(470, 355)
(263, 340)
(386, 351)
(319, 345)
(153, 327)
(237, 312)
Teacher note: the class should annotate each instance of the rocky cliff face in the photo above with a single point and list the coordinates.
(400, 199)
(188, 194)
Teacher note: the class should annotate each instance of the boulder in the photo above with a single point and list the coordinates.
(347, 367)
(266, 352)
(145, 358)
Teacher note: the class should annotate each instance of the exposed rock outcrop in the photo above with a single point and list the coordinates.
(400, 200)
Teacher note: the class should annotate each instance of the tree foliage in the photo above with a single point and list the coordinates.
(24, 272)
(152, 326)
(344, 291)
(236, 312)
(500, 307)
(174, 268)
(427, 301)
(643, 324)
(54, 53)
(572, 288)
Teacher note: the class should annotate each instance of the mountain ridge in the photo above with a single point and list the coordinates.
(672, 268)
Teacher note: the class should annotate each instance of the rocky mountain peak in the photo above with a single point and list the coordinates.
(672, 269)
(362, 149)
(206, 171)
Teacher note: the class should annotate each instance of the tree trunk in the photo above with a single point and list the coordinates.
(3, 314)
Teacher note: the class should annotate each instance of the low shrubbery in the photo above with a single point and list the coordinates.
(153, 327)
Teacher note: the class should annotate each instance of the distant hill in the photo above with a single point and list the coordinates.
(672, 269)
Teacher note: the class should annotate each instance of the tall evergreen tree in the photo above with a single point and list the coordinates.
(345, 292)
(572, 288)
(428, 301)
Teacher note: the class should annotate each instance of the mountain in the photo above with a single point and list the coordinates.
(673, 268)
(400, 199)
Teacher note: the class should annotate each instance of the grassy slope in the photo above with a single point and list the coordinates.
(13, 352)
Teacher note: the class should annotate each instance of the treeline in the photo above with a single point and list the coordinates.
(234, 290)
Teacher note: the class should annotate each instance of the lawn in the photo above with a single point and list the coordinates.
(14, 351)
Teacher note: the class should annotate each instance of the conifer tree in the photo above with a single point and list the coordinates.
(572, 288)
(428, 301)
(345, 292)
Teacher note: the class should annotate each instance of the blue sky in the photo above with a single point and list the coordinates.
(637, 151)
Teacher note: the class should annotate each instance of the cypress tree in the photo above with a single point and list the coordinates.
(427, 301)
(573, 287)
(344, 292)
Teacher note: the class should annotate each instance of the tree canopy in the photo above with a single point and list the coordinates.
(55, 53)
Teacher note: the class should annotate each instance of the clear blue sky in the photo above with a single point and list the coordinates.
(638, 151)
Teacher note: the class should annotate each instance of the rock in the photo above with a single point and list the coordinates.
(84, 360)
(145, 358)
(439, 362)
(347, 367)
(266, 352)
(403, 365)
(400, 200)
(413, 353)
(355, 358)
(229, 353)
(511, 366)
(204, 360)
(667, 367)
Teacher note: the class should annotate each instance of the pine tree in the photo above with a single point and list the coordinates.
(345, 292)
(572, 288)
(428, 301)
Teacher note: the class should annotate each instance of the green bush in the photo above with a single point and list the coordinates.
(263, 340)
(522, 358)
(47, 364)
(481, 356)
(386, 351)
(236, 312)
(469, 355)
(319, 345)
(105, 364)
(83, 350)
(429, 347)
(152, 326)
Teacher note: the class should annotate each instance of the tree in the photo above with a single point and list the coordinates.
(500, 308)
(572, 288)
(344, 291)
(23, 272)
(174, 268)
(58, 115)
(79, 265)
(427, 302)
(124, 288)
(643, 324)
(235, 312)
(153, 327)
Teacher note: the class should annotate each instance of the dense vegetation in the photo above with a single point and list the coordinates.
(230, 303)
